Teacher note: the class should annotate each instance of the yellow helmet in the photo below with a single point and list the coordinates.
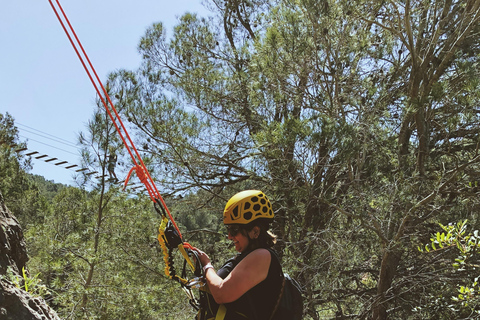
(247, 206)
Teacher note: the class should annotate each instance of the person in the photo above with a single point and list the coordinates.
(112, 162)
(249, 285)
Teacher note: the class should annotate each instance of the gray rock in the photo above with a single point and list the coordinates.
(16, 303)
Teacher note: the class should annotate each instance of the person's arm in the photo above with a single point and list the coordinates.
(252, 270)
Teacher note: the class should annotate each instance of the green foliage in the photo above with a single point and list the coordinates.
(358, 120)
(128, 280)
(20, 192)
(47, 188)
(466, 244)
(31, 285)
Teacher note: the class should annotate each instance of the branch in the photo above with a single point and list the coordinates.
(376, 227)
(431, 196)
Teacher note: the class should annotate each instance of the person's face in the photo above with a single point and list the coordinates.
(237, 235)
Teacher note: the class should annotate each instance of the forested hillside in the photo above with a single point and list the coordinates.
(359, 120)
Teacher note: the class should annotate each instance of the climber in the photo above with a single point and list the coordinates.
(249, 285)
(112, 162)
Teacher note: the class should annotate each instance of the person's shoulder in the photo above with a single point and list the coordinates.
(259, 253)
(256, 261)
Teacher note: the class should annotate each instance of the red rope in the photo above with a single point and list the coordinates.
(139, 168)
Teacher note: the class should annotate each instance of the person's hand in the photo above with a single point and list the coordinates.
(204, 258)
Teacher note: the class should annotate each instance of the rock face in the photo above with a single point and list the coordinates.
(16, 303)
(13, 252)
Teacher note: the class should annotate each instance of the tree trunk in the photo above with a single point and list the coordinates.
(96, 242)
(388, 269)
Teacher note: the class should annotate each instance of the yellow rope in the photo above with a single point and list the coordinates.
(163, 244)
(166, 256)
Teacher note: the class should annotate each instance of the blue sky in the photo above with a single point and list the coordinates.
(43, 84)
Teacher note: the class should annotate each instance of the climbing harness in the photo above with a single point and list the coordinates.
(170, 237)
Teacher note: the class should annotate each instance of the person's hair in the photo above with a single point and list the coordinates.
(266, 239)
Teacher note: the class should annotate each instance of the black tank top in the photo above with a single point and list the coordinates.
(258, 302)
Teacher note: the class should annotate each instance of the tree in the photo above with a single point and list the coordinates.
(20, 192)
(359, 121)
(97, 249)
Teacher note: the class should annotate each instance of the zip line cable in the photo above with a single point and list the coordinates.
(139, 168)
(45, 144)
(66, 165)
(54, 160)
(43, 134)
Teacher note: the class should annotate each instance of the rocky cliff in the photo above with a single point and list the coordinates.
(16, 303)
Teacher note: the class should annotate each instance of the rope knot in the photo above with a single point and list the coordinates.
(140, 174)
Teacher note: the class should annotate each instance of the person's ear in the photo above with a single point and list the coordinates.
(255, 232)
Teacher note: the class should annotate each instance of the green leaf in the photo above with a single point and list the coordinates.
(25, 279)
